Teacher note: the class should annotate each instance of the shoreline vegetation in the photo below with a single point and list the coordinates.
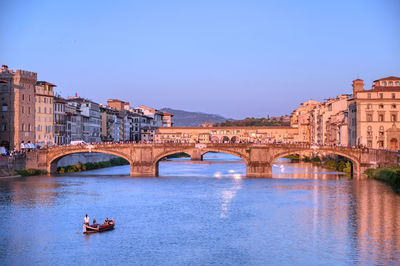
(80, 167)
(389, 175)
(254, 122)
(30, 172)
(340, 165)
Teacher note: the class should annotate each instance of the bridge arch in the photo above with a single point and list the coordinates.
(354, 160)
(197, 153)
(244, 157)
(52, 160)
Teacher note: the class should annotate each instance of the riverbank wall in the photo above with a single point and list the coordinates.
(9, 165)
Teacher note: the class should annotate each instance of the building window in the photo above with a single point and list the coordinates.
(380, 144)
(369, 131)
(381, 131)
(23, 96)
(390, 83)
(394, 106)
(381, 95)
(45, 110)
(381, 106)
(4, 107)
(39, 110)
(393, 95)
(381, 118)
(369, 118)
(369, 143)
(22, 109)
(23, 127)
(369, 106)
(29, 110)
(393, 118)
(29, 127)
(397, 83)
(4, 88)
(4, 127)
(384, 83)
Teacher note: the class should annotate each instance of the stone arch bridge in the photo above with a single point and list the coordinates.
(144, 158)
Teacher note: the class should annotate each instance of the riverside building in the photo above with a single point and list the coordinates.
(60, 121)
(301, 118)
(17, 100)
(374, 114)
(130, 120)
(44, 115)
(90, 118)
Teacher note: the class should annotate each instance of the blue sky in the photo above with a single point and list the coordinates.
(234, 58)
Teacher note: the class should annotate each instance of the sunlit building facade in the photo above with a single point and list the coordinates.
(374, 114)
(17, 119)
(44, 113)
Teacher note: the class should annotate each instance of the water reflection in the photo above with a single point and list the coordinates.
(198, 213)
(228, 195)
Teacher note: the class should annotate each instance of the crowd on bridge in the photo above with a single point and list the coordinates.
(260, 142)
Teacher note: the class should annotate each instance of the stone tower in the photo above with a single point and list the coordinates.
(358, 85)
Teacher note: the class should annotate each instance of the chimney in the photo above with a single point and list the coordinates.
(358, 85)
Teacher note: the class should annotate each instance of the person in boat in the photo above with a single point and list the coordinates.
(95, 223)
(106, 221)
(86, 220)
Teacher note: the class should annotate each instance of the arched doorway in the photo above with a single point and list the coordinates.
(234, 139)
(394, 144)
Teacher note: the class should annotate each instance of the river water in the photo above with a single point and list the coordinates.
(200, 213)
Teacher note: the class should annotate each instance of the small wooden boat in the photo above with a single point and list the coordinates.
(100, 228)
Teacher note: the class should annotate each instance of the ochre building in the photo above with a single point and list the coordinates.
(374, 114)
(44, 120)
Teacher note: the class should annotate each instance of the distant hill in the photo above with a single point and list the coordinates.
(257, 122)
(193, 119)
